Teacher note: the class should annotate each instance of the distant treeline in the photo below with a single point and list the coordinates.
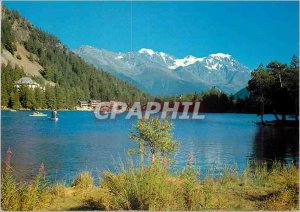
(213, 101)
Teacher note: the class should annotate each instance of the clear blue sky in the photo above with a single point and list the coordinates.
(252, 32)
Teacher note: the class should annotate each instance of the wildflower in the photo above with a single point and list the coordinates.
(42, 170)
(8, 159)
(164, 161)
(190, 159)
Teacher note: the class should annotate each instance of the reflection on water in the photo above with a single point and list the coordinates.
(80, 142)
(276, 144)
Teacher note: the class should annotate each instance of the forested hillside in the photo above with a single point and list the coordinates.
(74, 79)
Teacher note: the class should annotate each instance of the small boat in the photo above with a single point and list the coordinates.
(12, 110)
(38, 114)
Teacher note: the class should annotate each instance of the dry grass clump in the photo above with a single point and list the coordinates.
(59, 189)
(83, 181)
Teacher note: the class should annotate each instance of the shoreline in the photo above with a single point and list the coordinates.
(24, 109)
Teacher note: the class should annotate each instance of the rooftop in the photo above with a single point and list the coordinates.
(83, 102)
(26, 81)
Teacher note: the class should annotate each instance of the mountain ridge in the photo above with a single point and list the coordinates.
(150, 68)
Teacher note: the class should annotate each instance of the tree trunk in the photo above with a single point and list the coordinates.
(262, 113)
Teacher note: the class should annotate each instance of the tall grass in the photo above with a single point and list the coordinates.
(83, 181)
(142, 188)
(24, 196)
(154, 187)
(17, 196)
(59, 189)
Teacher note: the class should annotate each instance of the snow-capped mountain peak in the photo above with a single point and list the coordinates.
(220, 55)
(147, 51)
(189, 60)
(119, 57)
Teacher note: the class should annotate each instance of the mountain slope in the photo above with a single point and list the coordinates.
(242, 94)
(44, 56)
(163, 74)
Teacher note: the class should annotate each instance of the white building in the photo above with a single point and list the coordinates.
(26, 81)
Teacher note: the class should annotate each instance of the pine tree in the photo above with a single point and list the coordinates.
(31, 103)
(4, 97)
(50, 97)
(60, 98)
(7, 38)
(294, 62)
(15, 100)
(40, 98)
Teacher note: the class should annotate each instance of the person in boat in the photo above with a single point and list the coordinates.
(36, 112)
(54, 114)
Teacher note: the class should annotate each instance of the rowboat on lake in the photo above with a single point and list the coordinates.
(38, 114)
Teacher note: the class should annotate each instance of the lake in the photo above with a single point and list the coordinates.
(79, 141)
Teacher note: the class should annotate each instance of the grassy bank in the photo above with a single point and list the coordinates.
(155, 188)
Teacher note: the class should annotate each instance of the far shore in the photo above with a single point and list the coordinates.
(70, 110)
(24, 109)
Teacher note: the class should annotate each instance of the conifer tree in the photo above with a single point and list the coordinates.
(15, 100)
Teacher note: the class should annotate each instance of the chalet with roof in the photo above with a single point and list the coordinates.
(88, 105)
(28, 82)
(84, 104)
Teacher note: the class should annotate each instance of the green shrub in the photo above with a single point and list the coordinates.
(19, 57)
(30, 58)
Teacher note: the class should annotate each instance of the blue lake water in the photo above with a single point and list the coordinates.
(79, 141)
